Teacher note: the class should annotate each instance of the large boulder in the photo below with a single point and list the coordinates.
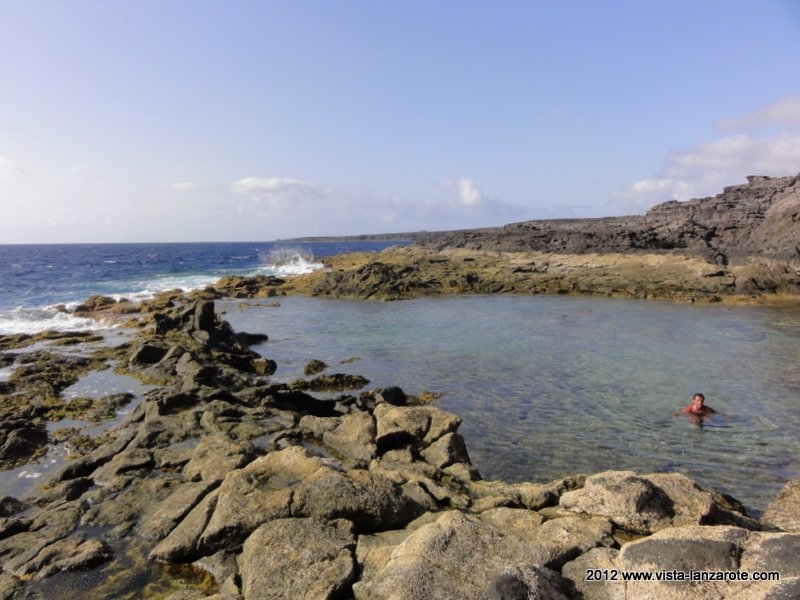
(371, 501)
(457, 556)
(784, 511)
(298, 558)
(687, 562)
(553, 542)
(353, 436)
(643, 504)
(416, 426)
(216, 456)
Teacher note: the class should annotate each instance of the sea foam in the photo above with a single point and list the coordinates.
(36, 320)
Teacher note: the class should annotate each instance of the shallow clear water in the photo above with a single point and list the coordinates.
(551, 386)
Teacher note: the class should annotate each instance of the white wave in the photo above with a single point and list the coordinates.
(289, 261)
(186, 283)
(36, 320)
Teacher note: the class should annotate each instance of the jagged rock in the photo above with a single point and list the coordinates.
(555, 541)
(447, 450)
(94, 303)
(257, 493)
(28, 538)
(530, 582)
(314, 366)
(392, 395)
(399, 426)
(371, 501)
(644, 504)
(9, 506)
(298, 558)
(21, 441)
(353, 436)
(75, 553)
(784, 511)
(335, 382)
(183, 542)
(679, 551)
(457, 556)
(216, 456)
(317, 426)
(170, 511)
(535, 496)
(148, 354)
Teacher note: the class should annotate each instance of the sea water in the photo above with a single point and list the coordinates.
(551, 386)
(36, 279)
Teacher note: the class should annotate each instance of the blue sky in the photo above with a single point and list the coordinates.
(205, 121)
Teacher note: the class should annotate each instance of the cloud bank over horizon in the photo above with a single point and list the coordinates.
(765, 141)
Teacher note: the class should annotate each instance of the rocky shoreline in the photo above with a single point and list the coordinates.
(738, 246)
(220, 483)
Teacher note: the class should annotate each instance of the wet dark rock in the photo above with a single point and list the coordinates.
(148, 354)
(10, 506)
(94, 303)
(314, 366)
(391, 395)
(303, 403)
(20, 441)
(526, 583)
(335, 382)
(251, 339)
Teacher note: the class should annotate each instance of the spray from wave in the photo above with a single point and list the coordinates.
(36, 320)
(288, 261)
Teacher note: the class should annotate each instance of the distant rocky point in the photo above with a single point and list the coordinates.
(740, 245)
(759, 218)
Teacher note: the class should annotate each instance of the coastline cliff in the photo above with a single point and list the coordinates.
(742, 245)
(759, 218)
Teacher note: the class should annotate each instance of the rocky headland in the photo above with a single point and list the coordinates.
(221, 483)
(741, 245)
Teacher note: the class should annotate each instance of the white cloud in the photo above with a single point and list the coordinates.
(278, 192)
(467, 191)
(784, 112)
(470, 191)
(10, 170)
(273, 185)
(750, 148)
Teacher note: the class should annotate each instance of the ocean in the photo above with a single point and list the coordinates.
(35, 279)
(546, 386)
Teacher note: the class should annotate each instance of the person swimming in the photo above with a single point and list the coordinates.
(698, 407)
